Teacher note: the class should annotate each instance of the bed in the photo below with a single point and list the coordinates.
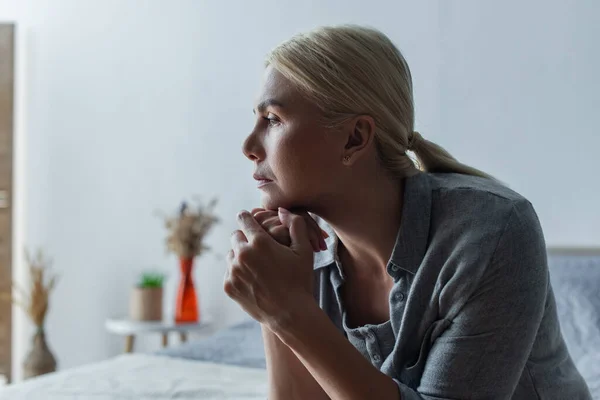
(144, 376)
(575, 277)
(231, 363)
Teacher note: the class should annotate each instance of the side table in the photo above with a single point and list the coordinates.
(130, 328)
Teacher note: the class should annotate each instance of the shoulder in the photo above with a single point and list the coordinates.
(480, 221)
(477, 207)
(461, 187)
(483, 234)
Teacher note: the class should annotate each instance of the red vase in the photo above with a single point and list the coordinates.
(186, 309)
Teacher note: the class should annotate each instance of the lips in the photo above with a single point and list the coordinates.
(261, 180)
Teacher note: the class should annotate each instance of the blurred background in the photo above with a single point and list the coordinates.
(123, 108)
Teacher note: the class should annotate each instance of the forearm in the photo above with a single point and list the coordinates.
(335, 364)
(288, 378)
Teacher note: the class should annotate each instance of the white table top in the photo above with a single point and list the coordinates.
(125, 326)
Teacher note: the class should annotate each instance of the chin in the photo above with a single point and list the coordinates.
(273, 202)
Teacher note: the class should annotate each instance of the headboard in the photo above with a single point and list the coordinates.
(573, 251)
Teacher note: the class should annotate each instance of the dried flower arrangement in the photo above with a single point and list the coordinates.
(34, 301)
(188, 228)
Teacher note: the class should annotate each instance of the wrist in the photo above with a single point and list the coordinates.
(294, 316)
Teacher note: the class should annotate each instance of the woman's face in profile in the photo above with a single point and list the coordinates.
(296, 159)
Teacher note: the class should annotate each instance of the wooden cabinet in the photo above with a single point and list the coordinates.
(7, 40)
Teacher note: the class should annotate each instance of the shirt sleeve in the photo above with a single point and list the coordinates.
(483, 352)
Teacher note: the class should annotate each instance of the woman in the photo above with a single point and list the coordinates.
(433, 281)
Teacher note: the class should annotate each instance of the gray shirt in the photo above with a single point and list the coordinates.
(472, 313)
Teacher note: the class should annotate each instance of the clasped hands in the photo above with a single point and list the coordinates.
(270, 264)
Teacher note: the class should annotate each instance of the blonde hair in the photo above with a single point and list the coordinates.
(352, 70)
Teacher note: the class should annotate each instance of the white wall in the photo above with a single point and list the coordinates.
(125, 107)
(519, 91)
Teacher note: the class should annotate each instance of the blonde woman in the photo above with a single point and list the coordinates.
(432, 282)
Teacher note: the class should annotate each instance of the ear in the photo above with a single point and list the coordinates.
(361, 132)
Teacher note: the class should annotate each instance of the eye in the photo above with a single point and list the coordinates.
(272, 120)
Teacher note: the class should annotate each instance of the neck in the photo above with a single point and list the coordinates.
(367, 221)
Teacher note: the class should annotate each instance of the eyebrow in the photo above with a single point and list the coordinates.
(266, 103)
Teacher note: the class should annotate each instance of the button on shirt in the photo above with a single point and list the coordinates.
(472, 312)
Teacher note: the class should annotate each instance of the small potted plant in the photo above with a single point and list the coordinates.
(147, 298)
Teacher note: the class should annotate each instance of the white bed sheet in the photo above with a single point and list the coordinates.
(143, 376)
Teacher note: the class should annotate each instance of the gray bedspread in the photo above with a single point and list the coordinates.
(576, 284)
(239, 345)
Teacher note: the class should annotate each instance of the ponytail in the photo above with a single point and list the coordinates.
(434, 158)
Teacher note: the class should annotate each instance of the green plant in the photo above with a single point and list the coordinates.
(151, 280)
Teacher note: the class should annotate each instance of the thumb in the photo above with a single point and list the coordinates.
(298, 231)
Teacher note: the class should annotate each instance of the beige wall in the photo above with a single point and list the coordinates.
(6, 160)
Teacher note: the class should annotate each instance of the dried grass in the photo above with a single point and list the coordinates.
(188, 228)
(34, 299)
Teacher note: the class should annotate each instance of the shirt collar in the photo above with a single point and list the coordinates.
(411, 242)
(326, 257)
(413, 236)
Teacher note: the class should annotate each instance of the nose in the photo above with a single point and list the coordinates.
(252, 147)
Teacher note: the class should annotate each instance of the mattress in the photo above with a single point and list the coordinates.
(143, 376)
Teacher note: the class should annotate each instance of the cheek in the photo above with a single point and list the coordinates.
(282, 155)
(295, 157)
(303, 170)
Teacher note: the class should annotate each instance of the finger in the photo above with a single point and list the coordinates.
(237, 280)
(234, 267)
(228, 286)
(256, 210)
(235, 284)
(262, 216)
(229, 259)
(319, 233)
(238, 240)
(240, 275)
(316, 240)
(272, 221)
(314, 226)
(298, 232)
(249, 226)
(273, 225)
(281, 234)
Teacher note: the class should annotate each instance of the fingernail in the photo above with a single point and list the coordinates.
(283, 211)
(316, 245)
(325, 234)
